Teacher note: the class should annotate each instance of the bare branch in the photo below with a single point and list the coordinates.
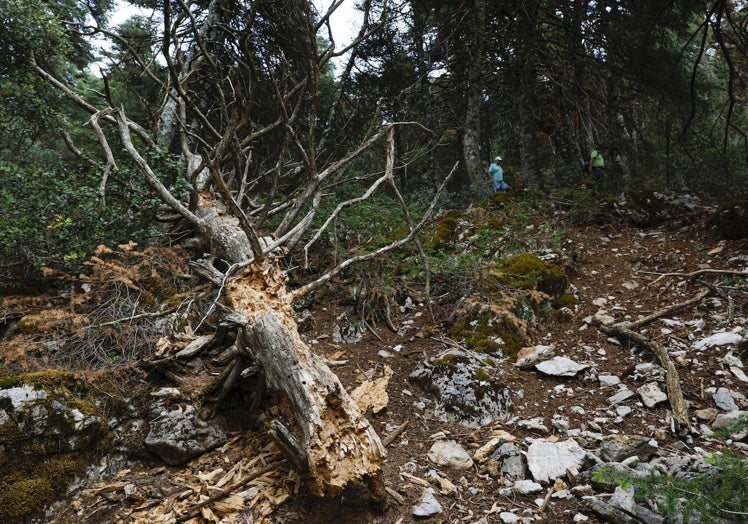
(308, 288)
(110, 164)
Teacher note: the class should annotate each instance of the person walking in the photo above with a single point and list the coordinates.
(496, 172)
(597, 165)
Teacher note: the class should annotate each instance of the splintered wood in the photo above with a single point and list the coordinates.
(326, 436)
(212, 489)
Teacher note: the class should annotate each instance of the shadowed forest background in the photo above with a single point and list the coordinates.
(541, 83)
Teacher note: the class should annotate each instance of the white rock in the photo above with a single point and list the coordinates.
(579, 517)
(428, 505)
(19, 396)
(732, 360)
(718, 339)
(651, 394)
(450, 454)
(560, 367)
(508, 517)
(739, 373)
(724, 401)
(548, 461)
(526, 486)
(536, 423)
(608, 380)
(621, 396)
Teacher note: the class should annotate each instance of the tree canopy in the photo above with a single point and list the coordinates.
(257, 97)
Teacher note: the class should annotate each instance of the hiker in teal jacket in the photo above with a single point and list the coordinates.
(496, 172)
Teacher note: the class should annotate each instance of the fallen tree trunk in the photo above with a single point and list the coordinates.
(324, 434)
(674, 393)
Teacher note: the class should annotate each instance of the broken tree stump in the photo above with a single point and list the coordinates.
(324, 434)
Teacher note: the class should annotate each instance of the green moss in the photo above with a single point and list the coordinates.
(494, 223)
(24, 498)
(566, 300)
(481, 332)
(448, 360)
(482, 375)
(50, 379)
(526, 271)
(445, 231)
(60, 471)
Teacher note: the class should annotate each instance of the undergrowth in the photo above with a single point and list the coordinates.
(717, 496)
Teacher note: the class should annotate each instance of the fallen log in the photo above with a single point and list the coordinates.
(674, 392)
(323, 433)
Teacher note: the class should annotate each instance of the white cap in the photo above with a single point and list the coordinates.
(498, 159)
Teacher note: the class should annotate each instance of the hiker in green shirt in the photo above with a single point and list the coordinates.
(597, 163)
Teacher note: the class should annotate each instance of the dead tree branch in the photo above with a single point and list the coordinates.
(700, 272)
(625, 330)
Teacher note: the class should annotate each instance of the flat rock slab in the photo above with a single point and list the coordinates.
(560, 367)
(548, 461)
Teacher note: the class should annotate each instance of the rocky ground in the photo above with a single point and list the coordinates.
(583, 399)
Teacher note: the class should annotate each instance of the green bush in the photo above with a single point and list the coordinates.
(54, 217)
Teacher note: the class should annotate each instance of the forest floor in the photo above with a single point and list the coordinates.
(625, 270)
(618, 265)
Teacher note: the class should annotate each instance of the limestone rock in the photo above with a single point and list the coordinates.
(548, 461)
(651, 394)
(177, 435)
(616, 448)
(724, 401)
(560, 367)
(718, 339)
(450, 454)
(428, 505)
(467, 387)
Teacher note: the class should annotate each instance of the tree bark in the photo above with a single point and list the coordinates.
(471, 139)
(323, 433)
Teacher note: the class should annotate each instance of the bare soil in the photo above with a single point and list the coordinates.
(624, 266)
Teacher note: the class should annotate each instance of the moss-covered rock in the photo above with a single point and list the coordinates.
(24, 498)
(468, 387)
(49, 431)
(490, 332)
(730, 221)
(527, 271)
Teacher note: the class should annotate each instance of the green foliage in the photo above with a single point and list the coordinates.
(709, 498)
(740, 424)
(53, 217)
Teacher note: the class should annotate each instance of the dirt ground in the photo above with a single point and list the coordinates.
(634, 271)
(622, 265)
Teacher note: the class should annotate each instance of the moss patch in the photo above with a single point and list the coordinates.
(445, 231)
(39, 462)
(526, 271)
(483, 332)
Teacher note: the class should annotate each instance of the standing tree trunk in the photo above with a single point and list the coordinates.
(471, 139)
(527, 106)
